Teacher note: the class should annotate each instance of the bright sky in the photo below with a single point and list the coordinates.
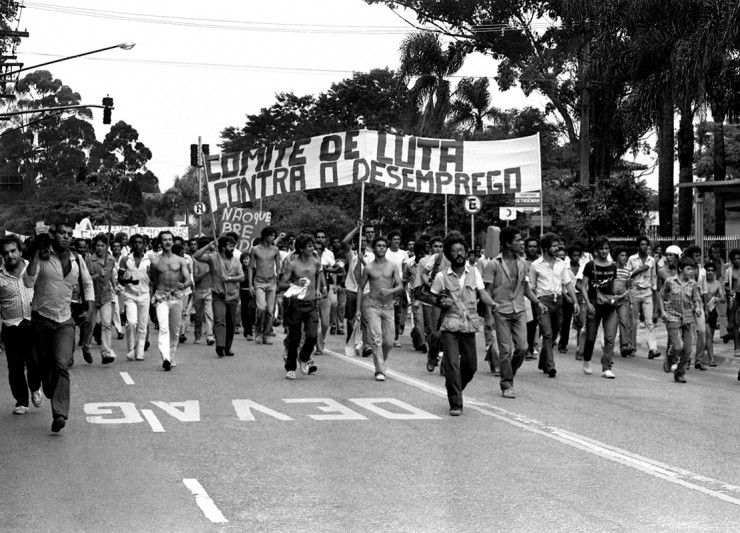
(199, 67)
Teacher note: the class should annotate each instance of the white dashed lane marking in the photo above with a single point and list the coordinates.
(127, 378)
(205, 502)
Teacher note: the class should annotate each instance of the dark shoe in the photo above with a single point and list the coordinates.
(147, 344)
(726, 338)
(340, 332)
(701, 366)
(108, 359)
(249, 337)
(211, 341)
(712, 364)
(652, 354)
(679, 379)
(530, 356)
(666, 365)
(562, 350)
(579, 356)
(230, 353)
(265, 341)
(166, 365)
(120, 336)
(423, 348)
(220, 351)
(332, 331)
(552, 372)
(367, 352)
(431, 365)
(456, 411)
(58, 423)
(738, 376)
(183, 339)
(87, 356)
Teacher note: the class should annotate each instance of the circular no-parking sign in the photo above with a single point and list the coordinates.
(199, 209)
(472, 204)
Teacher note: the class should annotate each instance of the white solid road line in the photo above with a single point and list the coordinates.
(126, 378)
(204, 501)
(685, 478)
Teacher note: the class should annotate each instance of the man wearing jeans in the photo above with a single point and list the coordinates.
(506, 278)
(458, 287)
(133, 276)
(102, 268)
(54, 272)
(303, 285)
(226, 275)
(15, 308)
(549, 276)
(385, 282)
(680, 305)
(203, 299)
(644, 283)
(170, 276)
(265, 261)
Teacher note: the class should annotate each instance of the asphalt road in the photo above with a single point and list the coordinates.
(231, 445)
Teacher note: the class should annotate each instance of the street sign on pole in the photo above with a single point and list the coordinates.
(507, 213)
(472, 204)
(199, 208)
(540, 220)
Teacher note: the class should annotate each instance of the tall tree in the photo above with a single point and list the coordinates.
(471, 105)
(425, 61)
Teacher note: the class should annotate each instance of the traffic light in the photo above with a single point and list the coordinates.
(107, 107)
(193, 155)
(206, 149)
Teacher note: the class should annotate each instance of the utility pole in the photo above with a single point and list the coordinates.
(585, 144)
(200, 180)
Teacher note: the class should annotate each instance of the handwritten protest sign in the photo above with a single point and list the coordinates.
(247, 223)
(418, 164)
(151, 231)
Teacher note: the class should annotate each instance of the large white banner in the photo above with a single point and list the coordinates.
(151, 231)
(417, 164)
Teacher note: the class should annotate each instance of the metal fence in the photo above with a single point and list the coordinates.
(726, 243)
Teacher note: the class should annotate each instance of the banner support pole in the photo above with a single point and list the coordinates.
(201, 169)
(472, 232)
(445, 213)
(362, 220)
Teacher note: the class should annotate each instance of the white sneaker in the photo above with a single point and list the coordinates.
(304, 368)
(396, 344)
(20, 410)
(290, 374)
(37, 398)
(608, 374)
(674, 367)
(587, 368)
(131, 355)
(379, 377)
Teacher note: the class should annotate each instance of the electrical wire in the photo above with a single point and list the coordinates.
(226, 24)
(227, 66)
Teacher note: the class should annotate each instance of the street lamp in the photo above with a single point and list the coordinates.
(123, 46)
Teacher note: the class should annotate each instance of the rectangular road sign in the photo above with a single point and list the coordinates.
(527, 199)
(539, 220)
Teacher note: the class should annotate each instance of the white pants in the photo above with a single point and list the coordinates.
(169, 315)
(137, 320)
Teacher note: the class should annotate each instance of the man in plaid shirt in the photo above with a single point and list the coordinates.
(680, 303)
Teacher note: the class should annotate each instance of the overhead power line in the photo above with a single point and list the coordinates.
(275, 27)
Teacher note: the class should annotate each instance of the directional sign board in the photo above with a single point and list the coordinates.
(507, 213)
(527, 199)
(539, 220)
(199, 209)
(472, 204)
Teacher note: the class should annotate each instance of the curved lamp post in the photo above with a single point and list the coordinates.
(124, 46)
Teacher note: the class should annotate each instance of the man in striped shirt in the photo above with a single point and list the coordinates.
(15, 308)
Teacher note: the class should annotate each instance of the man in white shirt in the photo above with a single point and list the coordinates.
(643, 284)
(133, 276)
(549, 276)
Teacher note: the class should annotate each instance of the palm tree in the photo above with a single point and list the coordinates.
(472, 105)
(424, 59)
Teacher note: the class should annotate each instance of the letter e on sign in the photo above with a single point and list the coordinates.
(472, 204)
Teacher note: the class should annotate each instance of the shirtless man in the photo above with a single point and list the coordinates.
(304, 286)
(732, 289)
(263, 282)
(385, 283)
(170, 276)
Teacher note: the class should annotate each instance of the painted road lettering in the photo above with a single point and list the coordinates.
(251, 411)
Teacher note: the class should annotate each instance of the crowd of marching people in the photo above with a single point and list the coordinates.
(58, 292)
